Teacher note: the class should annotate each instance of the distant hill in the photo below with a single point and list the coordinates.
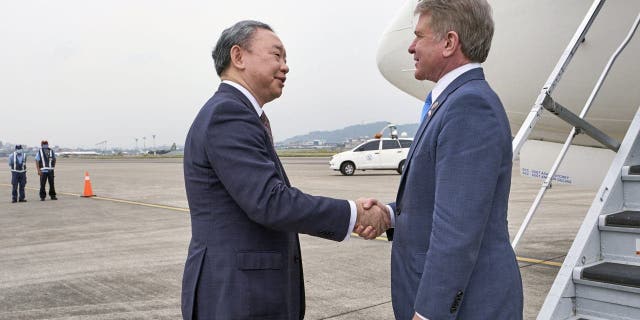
(351, 132)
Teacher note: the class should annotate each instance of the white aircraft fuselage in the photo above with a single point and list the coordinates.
(530, 37)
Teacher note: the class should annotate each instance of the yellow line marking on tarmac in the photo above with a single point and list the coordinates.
(142, 204)
(536, 261)
(138, 203)
(521, 259)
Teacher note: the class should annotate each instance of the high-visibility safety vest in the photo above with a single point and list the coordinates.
(45, 160)
(19, 168)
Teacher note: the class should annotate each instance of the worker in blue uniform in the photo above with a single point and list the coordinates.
(45, 163)
(18, 165)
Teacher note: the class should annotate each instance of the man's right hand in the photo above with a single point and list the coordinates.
(373, 218)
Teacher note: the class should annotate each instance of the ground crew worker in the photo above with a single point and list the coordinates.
(18, 165)
(45, 163)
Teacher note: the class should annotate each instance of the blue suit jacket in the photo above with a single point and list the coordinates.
(451, 256)
(244, 257)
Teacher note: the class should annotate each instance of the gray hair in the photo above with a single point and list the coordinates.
(239, 34)
(471, 19)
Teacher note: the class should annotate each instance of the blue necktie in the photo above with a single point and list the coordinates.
(426, 107)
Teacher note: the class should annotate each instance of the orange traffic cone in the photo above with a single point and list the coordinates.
(87, 186)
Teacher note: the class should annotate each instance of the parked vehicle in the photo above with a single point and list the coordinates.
(374, 154)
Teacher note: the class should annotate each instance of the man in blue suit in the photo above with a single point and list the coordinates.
(451, 257)
(244, 257)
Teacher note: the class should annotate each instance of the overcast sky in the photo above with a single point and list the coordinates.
(80, 72)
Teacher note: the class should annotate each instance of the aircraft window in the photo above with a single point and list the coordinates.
(373, 145)
(406, 143)
(390, 144)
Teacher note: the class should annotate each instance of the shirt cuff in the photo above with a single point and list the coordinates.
(421, 317)
(352, 221)
(392, 215)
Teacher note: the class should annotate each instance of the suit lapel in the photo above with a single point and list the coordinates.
(274, 156)
(473, 74)
(421, 129)
(414, 144)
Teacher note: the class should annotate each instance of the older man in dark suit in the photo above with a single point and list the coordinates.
(244, 257)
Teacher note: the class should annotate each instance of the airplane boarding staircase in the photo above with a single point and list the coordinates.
(600, 276)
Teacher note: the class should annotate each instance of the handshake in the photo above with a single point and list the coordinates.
(373, 218)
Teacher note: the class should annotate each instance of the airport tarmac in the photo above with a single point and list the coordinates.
(120, 255)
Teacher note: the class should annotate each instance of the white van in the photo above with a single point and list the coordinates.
(374, 154)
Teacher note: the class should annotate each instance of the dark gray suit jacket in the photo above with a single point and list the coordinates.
(451, 256)
(244, 257)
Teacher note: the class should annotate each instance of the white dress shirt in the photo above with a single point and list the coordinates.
(446, 80)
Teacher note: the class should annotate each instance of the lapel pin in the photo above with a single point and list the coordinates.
(433, 108)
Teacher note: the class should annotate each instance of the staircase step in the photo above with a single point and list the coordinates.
(614, 273)
(620, 244)
(625, 219)
(630, 173)
(631, 187)
(618, 307)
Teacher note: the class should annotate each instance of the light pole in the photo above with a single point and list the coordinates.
(137, 149)
(144, 143)
(154, 144)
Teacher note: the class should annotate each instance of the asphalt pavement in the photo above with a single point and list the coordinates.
(120, 255)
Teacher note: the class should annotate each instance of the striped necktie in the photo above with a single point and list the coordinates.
(265, 121)
(426, 108)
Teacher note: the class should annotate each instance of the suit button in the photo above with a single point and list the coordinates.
(456, 302)
(398, 210)
(296, 259)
